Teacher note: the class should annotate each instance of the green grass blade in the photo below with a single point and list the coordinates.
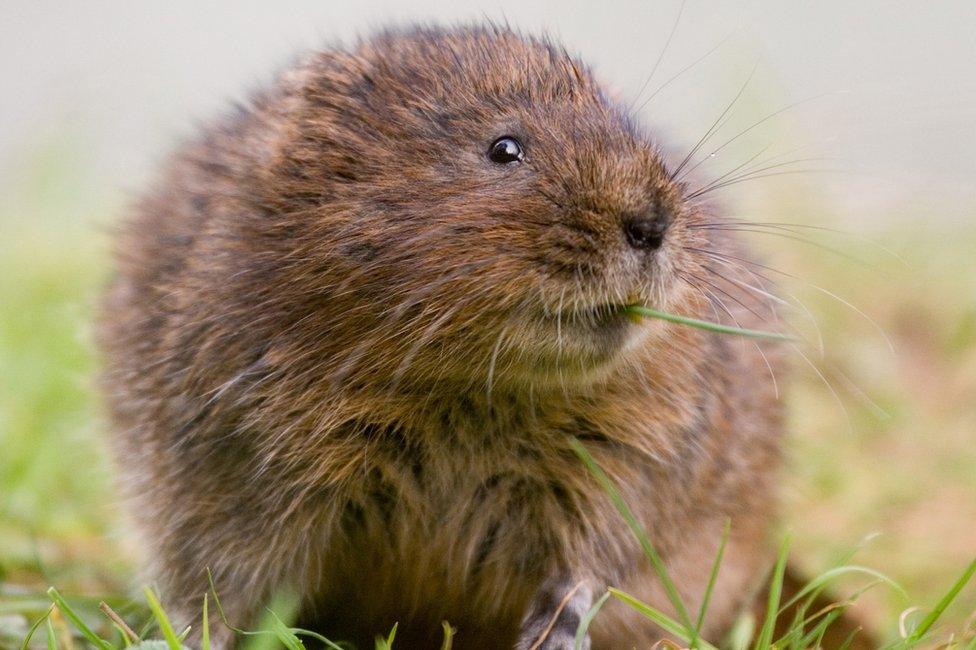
(72, 616)
(272, 630)
(775, 590)
(448, 635)
(940, 607)
(162, 620)
(52, 638)
(637, 529)
(664, 621)
(220, 608)
(295, 630)
(815, 636)
(800, 621)
(205, 632)
(817, 584)
(386, 643)
(640, 310)
(742, 632)
(584, 623)
(285, 635)
(33, 628)
(312, 635)
(795, 630)
(125, 638)
(726, 531)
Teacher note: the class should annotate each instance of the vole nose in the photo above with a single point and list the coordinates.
(645, 231)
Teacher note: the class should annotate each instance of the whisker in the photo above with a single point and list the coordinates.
(753, 126)
(860, 394)
(733, 170)
(760, 277)
(758, 176)
(758, 173)
(660, 57)
(730, 296)
(792, 328)
(682, 71)
(830, 387)
(783, 235)
(792, 227)
(745, 285)
(816, 287)
(754, 343)
(715, 125)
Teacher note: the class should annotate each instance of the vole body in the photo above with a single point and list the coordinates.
(349, 341)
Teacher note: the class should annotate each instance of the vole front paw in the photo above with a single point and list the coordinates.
(554, 616)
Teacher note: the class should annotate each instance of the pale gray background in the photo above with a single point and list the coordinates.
(108, 86)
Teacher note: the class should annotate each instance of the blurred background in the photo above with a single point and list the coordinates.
(860, 117)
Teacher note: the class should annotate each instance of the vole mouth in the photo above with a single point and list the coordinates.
(584, 338)
(579, 339)
(596, 313)
(606, 325)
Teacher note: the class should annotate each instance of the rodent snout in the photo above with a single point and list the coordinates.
(645, 231)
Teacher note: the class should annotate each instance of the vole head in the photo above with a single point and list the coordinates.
(470, 203)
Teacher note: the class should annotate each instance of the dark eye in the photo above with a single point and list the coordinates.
(505, 150)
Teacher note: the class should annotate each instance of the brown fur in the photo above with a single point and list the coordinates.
(346, 353)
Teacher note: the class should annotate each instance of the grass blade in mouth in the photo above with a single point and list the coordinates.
(647, 312)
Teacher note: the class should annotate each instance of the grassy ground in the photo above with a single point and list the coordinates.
(883, 446)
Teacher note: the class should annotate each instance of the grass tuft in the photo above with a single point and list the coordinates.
(804, 631)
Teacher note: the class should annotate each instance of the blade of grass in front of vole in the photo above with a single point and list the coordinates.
(205, 627)
(584, 623)
(448, 635)
(296, 630)
(647, 312)
(664, 621)
(649, 551)
(726, 530)
(386, 643)
(775, 590)
(814, 639)
(162, 620)
(286, 635)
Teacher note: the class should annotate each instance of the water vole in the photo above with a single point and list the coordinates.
(355, 325)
